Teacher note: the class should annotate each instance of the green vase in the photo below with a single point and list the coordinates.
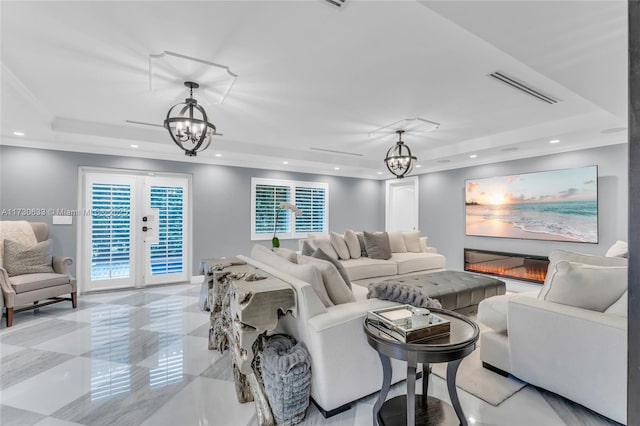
(275, 242)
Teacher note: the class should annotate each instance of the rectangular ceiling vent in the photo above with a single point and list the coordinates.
(336, 3)
(523, 87)
(333, 151)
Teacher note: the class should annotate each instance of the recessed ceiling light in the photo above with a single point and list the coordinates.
(133, 145)
(418, 165)
(336, 168)
(285, 162)
(554, 141)
(18, 133)
(218, 155)
(379, 173)
(473, 156)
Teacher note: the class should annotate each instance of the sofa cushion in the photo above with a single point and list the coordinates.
(307, 250)
(620, 307)
(377, 245)
(21, 259)
(586, 286)
(559, 255)
(324, 243)
(412, 262)
(353, 245)
(618, 249)
(37, 281)
(333, 283)
(412, 241)
(319, 254)
(365, 267)
(396, 242)
(306, 273)
(340, 246)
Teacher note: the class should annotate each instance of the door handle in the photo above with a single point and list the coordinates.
(145, 228)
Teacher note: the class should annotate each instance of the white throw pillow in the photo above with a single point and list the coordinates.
(338, 243)
(397, 242)
(324, 243)
(586, 286)
(621, 307)
(351, 238)
(559, 255)
(334, 285)
(306, 273)
(618, 249)
(412, 241)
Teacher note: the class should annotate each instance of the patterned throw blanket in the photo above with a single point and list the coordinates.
(402, 293)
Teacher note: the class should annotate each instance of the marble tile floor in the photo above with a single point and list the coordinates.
(140, 358)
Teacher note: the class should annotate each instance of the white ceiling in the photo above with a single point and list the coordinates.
(313, 75)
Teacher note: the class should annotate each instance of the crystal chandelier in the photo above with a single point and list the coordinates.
(399, 159)
(190, 128)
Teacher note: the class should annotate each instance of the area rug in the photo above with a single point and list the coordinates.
(472, 377)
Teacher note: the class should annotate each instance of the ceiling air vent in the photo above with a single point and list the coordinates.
(336, 152)
(336, 3)
(523, 87)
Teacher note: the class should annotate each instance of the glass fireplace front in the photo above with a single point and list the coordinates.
(524, 267)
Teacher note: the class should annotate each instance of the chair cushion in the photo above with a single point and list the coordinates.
(21, 259)
(412, 262)
(31, 282)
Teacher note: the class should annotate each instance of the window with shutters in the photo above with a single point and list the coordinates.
(166, 256)
(267, 195)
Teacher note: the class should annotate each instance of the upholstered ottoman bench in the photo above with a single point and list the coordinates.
(457, 291)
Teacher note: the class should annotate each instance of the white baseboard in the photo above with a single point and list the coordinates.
(197, 279)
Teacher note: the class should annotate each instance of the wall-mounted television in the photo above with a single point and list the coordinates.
(555, 205)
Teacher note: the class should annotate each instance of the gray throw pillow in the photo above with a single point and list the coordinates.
(377, 244)
(307, 250)
(20, 259)
(363, 247)
(319, 254)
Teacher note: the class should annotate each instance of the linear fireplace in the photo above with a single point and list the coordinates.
(524, 267)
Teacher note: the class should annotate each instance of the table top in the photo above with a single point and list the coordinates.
(460, 342)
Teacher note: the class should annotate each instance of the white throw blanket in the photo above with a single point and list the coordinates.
(16, 230)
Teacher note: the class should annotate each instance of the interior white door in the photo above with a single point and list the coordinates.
(137, 232)
(401, 200)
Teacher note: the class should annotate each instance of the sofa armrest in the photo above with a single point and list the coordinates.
(61, 264)
(339, 315)
(564, 348)
(8, 292)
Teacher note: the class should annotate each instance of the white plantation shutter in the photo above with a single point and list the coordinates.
(167, 255)
(267, 195)
(312, 202)
(267, 205)
(110, 231)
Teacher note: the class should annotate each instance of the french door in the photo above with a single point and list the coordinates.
(135, 230)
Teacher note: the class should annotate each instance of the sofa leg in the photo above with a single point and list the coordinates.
(495, 369)
(9, 317)
(333, 412)
(74, 299)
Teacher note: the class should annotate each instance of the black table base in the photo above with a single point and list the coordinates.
(434, 412)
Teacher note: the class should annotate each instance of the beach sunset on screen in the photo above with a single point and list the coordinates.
(557, 205)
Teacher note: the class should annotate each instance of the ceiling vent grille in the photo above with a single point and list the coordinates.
(333, 151)
(523, 87)
(336, 3)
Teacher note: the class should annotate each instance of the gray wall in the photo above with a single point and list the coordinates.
(442, 204)
(33, 178)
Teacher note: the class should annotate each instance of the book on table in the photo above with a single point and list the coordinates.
(397, 323)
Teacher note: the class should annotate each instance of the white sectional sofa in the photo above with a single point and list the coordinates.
(424, 258)
(344, 367)
(571, 337)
